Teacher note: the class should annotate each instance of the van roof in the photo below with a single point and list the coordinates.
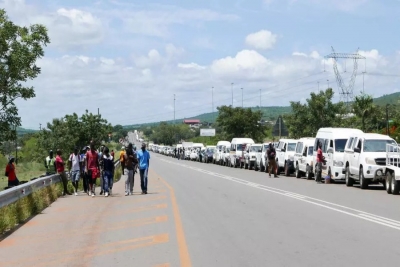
(374, 136)
(242, 140)
(289, 140)
(339, 130)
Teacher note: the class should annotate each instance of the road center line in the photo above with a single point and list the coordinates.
(318, 202)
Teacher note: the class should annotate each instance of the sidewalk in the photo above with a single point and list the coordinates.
(101, 231)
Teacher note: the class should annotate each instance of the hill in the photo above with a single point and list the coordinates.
(22, 131)
(270, 113)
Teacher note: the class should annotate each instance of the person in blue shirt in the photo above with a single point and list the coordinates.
(144, 161)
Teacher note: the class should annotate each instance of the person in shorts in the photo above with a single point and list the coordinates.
(75, 166)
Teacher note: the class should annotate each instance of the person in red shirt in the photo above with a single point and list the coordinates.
(10, 173)
(320, 161)
(92, 167)
(60, 167)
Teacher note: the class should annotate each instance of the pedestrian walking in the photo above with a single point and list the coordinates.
(101, 169)
(130, 160)
(84, 171)
(60, 166)
(108, 171)
(144, 163)
(122, 159)
(320, 161)
(50, 163)
(11, 173)
(175, 152)
(92, 168)
(75, 167)
(271, 156)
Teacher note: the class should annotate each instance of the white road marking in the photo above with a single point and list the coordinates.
(318, 202)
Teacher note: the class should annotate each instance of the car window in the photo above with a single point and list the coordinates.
(255, 148)
(350, 142)
(376, 145)
(291, 147)
(310, 150)
(340, 144)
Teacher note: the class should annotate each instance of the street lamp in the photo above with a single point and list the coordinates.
(242, 96)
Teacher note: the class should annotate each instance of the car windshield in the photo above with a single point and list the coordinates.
(239, 147)
(211, 150)
(255, 148)
(310, 150)
(340, 145)
(266, 147)
(377, 145)
(291, 147)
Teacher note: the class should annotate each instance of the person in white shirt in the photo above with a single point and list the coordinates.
(75, 165)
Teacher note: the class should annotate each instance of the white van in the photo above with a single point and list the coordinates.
(219, 152)
(254, 152)
(365, 159)
(303, 158)
(238, 145)
(333, 142)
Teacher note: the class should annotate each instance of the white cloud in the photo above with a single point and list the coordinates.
(261, 40)
(68, 28)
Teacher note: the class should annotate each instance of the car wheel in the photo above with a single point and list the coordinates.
(286, 170)
(395, 186)
(298, 174)
(308, 173)
(388, 182)
(363, 181)
(349, 180)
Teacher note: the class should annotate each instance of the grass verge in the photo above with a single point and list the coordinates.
(17, 213)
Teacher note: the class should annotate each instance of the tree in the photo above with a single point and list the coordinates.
(20, 47)
(318, 112)
(240, 122)
(362, 106)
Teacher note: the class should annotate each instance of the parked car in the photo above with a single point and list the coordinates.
(261, 162)
(303, 158)
(285, 156)
(392, 171)
(237, 151)
(208, 155)
(365, 159)
(333, 142)
(251, 156)
(218, 155)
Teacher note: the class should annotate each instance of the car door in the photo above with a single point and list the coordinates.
(303, 162)
(356, 158)
(282, 152)
(352, 161)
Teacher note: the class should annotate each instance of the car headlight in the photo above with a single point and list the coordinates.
(338, 163)
(370, 161)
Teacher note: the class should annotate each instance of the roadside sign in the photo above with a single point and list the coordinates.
(207, 132)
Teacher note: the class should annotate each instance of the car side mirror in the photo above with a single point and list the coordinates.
(283, 150)
(330, 150)
(305, 154)
(260, 150)
(357, 150)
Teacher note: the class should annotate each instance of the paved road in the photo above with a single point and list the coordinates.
(207, 215)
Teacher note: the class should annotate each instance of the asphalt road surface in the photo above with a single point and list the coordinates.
(206, 215)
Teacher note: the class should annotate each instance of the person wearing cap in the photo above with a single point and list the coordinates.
(122, 159)
(74, 166)
(50, 163)
(144, 163)
(10, 173)
(60, 167)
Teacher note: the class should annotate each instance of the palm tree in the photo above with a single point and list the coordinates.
(362, 106)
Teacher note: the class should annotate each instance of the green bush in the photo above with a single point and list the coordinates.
(23, 209)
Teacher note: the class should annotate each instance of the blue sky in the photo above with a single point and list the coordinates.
(136, 55)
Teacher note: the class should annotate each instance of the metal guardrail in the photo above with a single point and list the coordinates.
(15, 193)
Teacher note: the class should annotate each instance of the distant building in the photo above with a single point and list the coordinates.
(191, 122)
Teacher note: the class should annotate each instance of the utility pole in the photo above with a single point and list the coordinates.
(260, 99)
(387, 119)
(280, 127)
(98, 111)
(242, 96)
(174, 108)
(318, 86)
(212, 99)
(232, 92)
(40, 126)
(328, 83)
